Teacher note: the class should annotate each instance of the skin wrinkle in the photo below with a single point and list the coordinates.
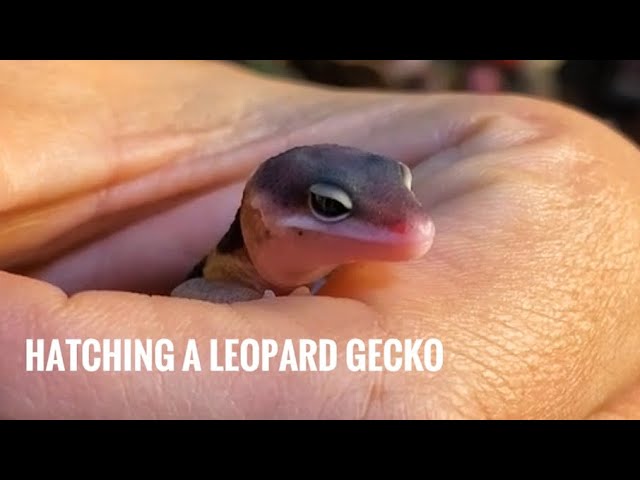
(128, 223)
(470, 180)
(351, 386)
(545, 347)
(59, 149)
(624, 405)
(322, 408)
(178, 129)
(229, 398)
(238, 318)
(373, 383)
(608, 299)
(129, 142)
(118, 397)
(374, 394)
(494, 349)
(537, 358)
(411, 400)
(93, 225)
(18, 320)
(465, 399)
(299, 330)
(478, 343)
(115, 401)
(489, 379)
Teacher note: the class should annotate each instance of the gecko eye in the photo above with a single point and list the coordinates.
(407, 178)
(329, 203)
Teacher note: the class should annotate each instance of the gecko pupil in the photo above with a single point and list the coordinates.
(328, 207)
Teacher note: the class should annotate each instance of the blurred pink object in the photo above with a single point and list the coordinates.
(484, 78)
(400, 69)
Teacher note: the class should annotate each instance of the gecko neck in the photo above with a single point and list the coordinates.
(233, 267)
(230, 261)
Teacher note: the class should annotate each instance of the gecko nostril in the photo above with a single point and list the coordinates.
(400, 227)
(418, 227)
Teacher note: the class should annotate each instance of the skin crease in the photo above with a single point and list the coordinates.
(119, 175)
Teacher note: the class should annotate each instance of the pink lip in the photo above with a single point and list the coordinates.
(413, 237)
(401, 227)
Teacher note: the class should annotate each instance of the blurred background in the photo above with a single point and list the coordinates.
(609, 89)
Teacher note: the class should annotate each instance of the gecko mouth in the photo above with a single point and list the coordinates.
(407, 239)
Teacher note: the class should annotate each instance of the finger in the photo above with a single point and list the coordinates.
(37, 310)
(103, 119)
(151, 255)
(113, 138)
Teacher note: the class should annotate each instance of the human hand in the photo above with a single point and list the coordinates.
(118, 176)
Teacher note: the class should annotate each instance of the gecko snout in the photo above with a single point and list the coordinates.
(414, 236)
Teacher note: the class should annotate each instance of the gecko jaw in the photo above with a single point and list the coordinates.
(299, 250)
(408, 239)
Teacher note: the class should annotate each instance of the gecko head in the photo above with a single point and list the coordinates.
(329, 204)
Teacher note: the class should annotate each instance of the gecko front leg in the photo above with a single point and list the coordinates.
(217, 291)
(225, 291)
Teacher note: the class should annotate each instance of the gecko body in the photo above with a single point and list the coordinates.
(305, 212)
